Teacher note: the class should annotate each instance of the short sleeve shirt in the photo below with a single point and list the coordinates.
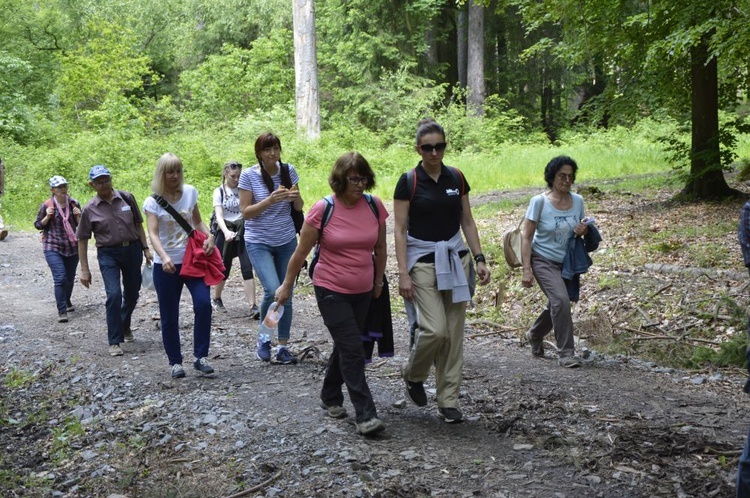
(435, 210)
(172, 236)
(554, 227)
(345, 264)
(110, 223)
(274, 226)
(230, 203)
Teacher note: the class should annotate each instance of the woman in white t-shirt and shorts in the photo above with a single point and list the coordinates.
(230, 236)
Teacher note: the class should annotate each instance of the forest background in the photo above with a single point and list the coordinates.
(627, 88)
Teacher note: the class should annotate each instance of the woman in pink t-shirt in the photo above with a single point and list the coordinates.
(345, 281)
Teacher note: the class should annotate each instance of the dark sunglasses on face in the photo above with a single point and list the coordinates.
(428, 148)
(356, 180)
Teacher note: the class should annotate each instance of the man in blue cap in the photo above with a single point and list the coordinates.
(115, 220)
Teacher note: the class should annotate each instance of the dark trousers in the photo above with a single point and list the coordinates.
(344, 315)
(63, 270)
(121, 300)
(168, 291)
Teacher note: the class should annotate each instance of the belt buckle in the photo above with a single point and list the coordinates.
(126, 243)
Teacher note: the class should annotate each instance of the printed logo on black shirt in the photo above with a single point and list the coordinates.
(452, 191)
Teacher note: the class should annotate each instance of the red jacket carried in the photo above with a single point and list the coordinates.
(198, 264)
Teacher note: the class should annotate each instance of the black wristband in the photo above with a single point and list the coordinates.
(479, 258)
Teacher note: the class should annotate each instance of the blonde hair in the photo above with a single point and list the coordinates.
(167, 163)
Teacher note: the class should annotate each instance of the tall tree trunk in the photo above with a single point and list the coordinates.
(475, 66)
(306, 68)
(706, 174)
(462, 35)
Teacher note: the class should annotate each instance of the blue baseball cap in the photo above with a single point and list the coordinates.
(57, 180)
(98, 171)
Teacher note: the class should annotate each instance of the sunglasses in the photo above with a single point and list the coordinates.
(235, 166)
(428, 148)
(356, 180)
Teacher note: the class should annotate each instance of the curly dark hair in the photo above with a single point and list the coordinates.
(350, 161)
(554, 166)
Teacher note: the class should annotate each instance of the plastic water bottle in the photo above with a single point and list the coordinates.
(274, 314)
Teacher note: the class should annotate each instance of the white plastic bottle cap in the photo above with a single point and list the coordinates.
(273, 316)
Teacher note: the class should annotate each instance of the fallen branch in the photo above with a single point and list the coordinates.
(495, 332)
(257, 487)
(672, 338)
(659, 291)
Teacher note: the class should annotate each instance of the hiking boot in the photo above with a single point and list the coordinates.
(218, 305)
(369, 427)
(333, 411)
(69, 307)
(450, 415)
(115, 350)
(569, 361)
(62, 317)
(284, 357)
(415, 392)
(264, 350)
(177, 371)
(203, 366)
(254, 313)
(128, 336)
(537, 346)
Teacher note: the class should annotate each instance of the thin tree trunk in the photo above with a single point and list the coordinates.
(306, 68)
(462, 35)
(706, 175)
(475, 66)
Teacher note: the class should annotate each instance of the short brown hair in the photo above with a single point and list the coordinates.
(350, 161)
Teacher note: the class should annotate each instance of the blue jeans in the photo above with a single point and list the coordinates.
(63, 270)
(270, 265)
(121, 301)
(743, 471)
(168, 291)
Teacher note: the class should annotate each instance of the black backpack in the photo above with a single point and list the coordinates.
(327, 213)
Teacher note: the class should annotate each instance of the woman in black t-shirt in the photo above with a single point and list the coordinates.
(431, 206)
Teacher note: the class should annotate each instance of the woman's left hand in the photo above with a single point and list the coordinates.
(483, 273)
(76, 211)
(581, 229)
(377, 291)
(208, 245)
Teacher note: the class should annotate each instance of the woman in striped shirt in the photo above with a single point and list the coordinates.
(268, 193)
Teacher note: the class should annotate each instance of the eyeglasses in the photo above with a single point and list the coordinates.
(566, 176)
(102, 181)
(235, 166)
(356, 180)
(428, 148)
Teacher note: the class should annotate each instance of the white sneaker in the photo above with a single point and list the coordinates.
(177, 371)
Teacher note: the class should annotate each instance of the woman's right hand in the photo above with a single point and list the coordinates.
(282, 294)
(281, 194)
(229, 235)
(50, 212)
(168, 266)
(528, 278)
(405, 286)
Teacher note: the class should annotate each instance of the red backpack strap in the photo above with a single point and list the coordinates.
(459, 177)
(411, 182)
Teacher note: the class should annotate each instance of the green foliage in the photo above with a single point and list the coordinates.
(730, 353)
(15, 113)
(96, 76)
(18, 379)
(238, 81)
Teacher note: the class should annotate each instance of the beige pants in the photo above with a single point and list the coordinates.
(438, 339)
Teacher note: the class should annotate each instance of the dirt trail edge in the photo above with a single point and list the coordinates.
(87, 424)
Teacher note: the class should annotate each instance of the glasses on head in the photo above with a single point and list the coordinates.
(275, 149)
(235, 166)
(356, 180)
(428, 148)
(566, 176)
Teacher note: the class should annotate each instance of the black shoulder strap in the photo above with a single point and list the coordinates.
(373, 206)
(168, 208)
